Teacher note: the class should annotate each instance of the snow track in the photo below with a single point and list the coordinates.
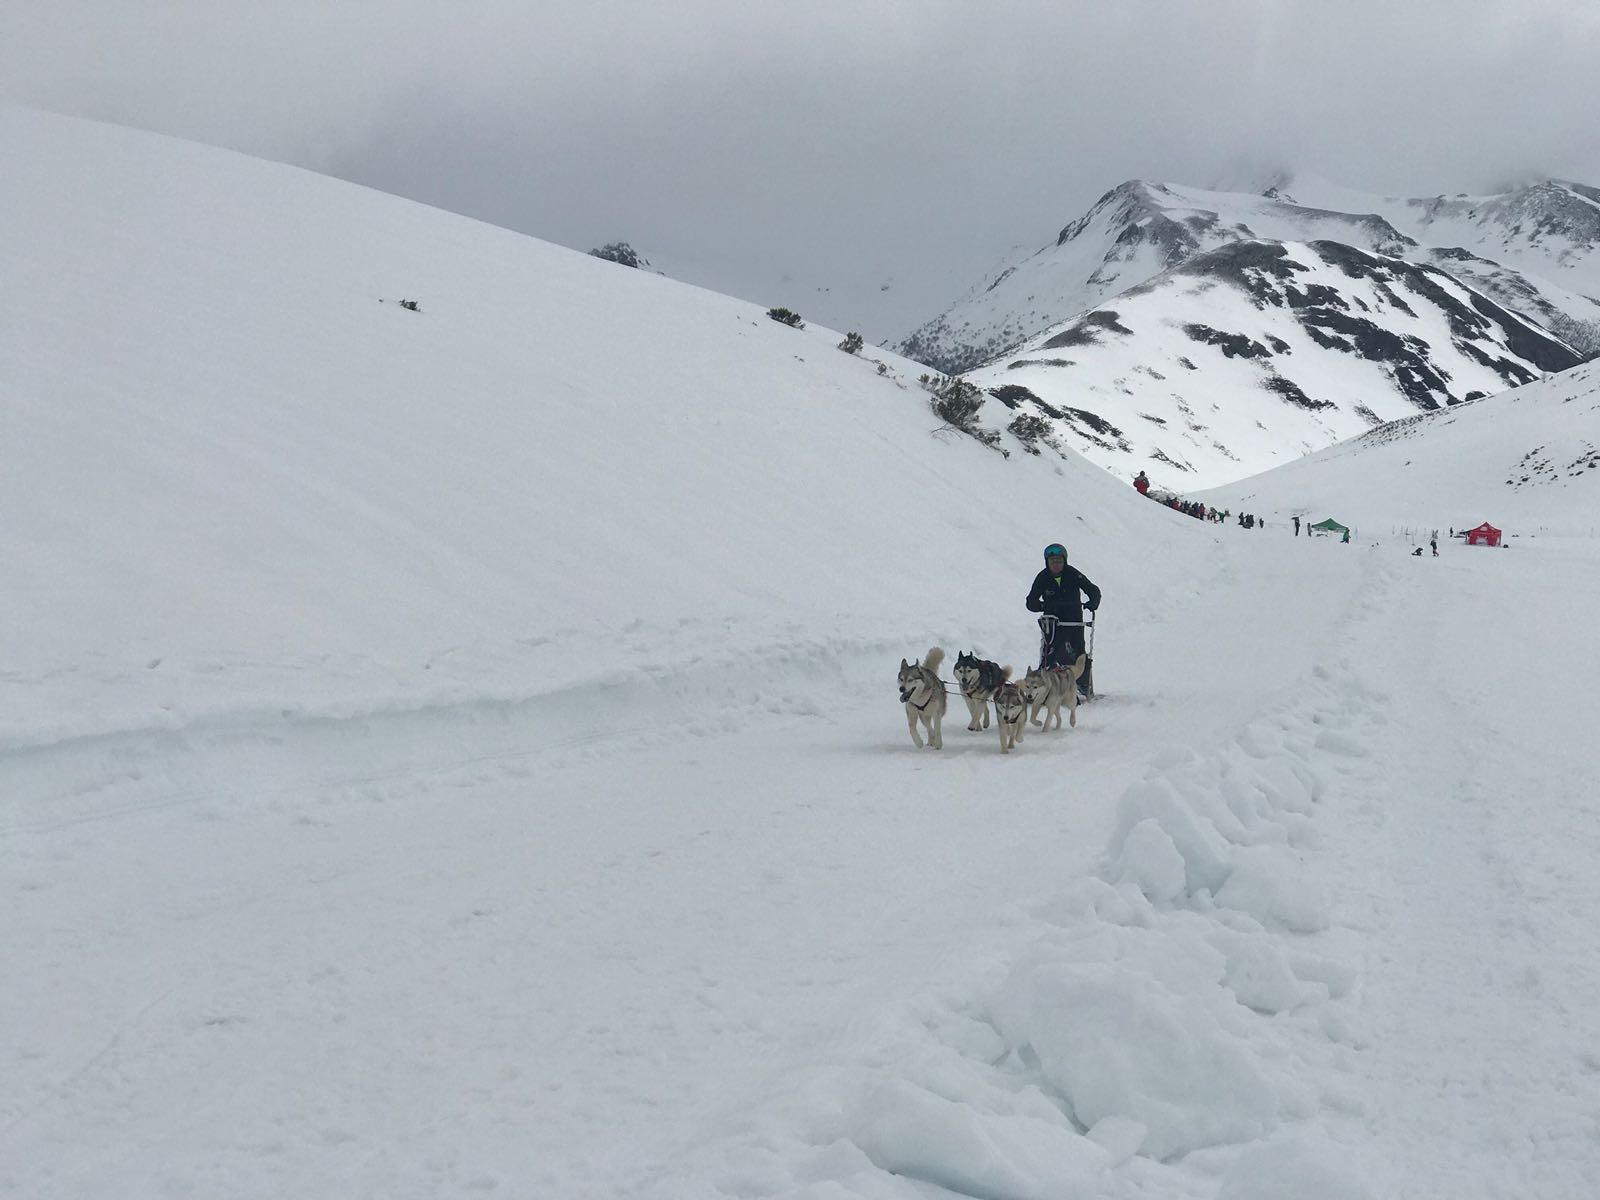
(1469, 845)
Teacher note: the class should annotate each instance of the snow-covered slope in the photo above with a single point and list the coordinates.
(1255, 353)
(1550, 228)
(227, 434)
(1527, 460)
(455, 752)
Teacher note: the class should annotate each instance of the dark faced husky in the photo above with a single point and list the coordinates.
(1010, 714)
(1047, 691)
(922, 692)
(978, 678)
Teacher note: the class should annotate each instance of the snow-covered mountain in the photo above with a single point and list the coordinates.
(1436, 300)
(452, 749)
(1526, 460)
(1252, 354)
(1532, 250)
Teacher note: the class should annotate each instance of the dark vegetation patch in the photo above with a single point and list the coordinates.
(1030, 430)
(1539, 465)
(1393, 297)
(1508, 369)
(620, 253)
(1040, 362)
(1154, 420)
(1093, 421)
(1232, 345)
(1160, 456)
(1291, 392)
(1255, 268)
(1422, 383)
(944, 349)
(1000, 278)
(1525, 341)
(1014, 396)
(1315, 295)
(1086, 331)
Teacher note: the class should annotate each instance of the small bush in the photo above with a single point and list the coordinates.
(1030, 431)
(411, 304)
(883, 368)
(784, 317)
(621, 253)
(852, 343)
(955, 401)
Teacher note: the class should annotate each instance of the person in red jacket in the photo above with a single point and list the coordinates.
(1141, 484)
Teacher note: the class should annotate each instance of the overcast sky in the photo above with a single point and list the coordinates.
(769, 147)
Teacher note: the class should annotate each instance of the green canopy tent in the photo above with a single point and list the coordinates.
(1330, 526)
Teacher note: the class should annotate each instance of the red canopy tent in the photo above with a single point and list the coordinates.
(1484, 535)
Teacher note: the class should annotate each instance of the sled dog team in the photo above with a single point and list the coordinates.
(982, 683)
(1057, 594)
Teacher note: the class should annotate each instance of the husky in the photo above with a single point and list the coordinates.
(978, 678)
(922, 692)
(1010, 714)
(1047, 691)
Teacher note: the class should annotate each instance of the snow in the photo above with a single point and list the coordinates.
(1528, 460)
(456, 753)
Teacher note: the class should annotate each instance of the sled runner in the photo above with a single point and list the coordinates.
(1047, 629)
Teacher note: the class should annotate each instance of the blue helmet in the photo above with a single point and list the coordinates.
(1055, 550)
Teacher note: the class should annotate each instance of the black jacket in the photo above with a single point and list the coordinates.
(1062, 600)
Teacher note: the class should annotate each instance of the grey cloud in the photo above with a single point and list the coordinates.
(828, 142)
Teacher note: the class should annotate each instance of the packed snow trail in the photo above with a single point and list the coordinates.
(1469, 835)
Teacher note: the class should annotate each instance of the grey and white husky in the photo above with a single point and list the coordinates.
(1010, 714)
(922, 692)
(1047, 691)
(978, 678)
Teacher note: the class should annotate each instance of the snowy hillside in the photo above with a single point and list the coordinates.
(455, 750)
(1256, 353)
(228, 420)
(1527, 460)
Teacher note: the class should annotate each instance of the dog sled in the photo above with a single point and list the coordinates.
(1047, 630)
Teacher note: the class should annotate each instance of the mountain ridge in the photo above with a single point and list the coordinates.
(1140, 228)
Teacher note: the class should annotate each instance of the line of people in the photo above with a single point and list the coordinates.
(1194, 508)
